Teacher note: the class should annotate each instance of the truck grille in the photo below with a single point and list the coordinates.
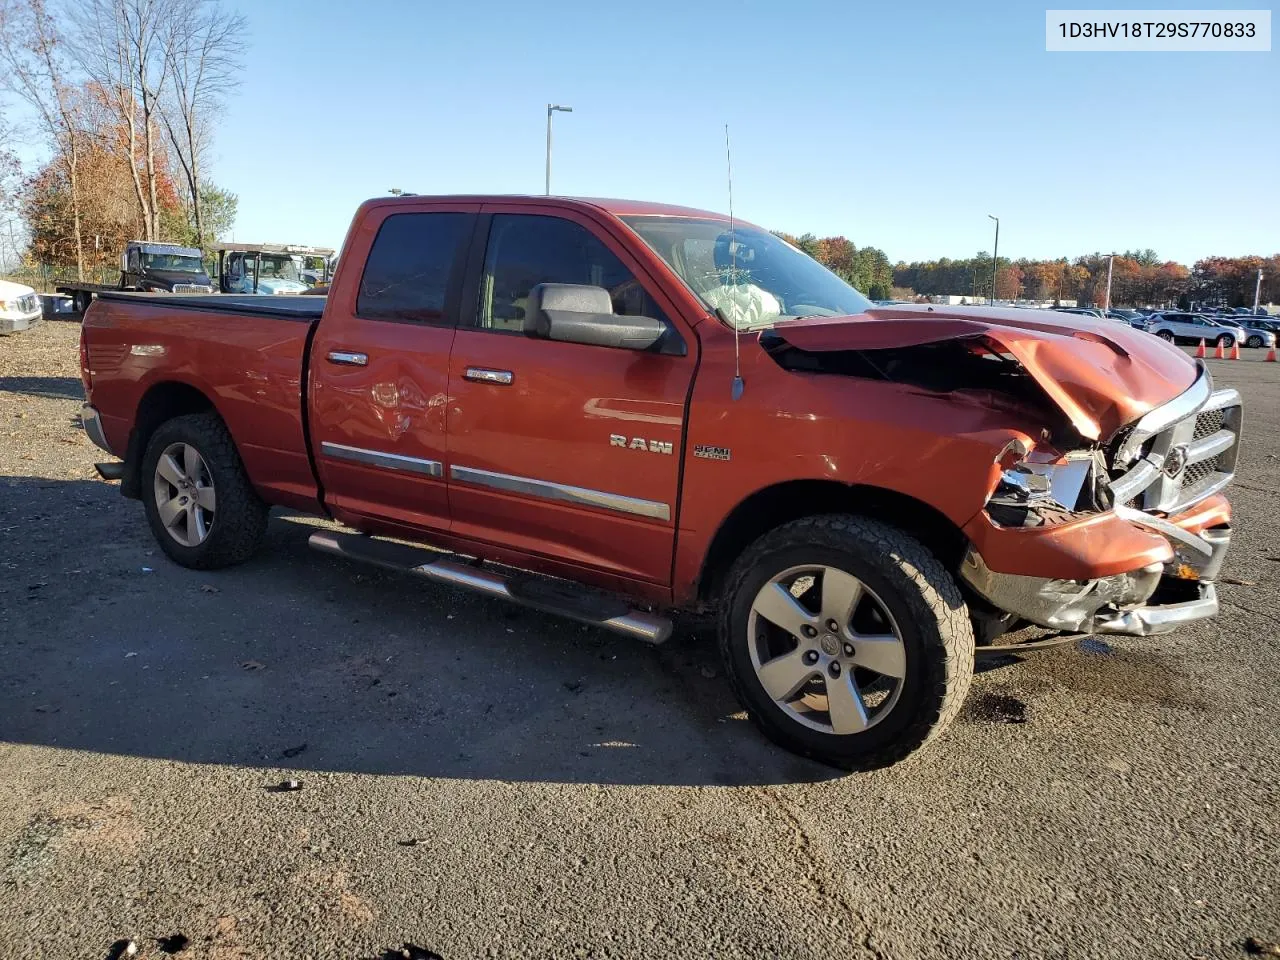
(1179, 453)
(192, 288)
(29, 304)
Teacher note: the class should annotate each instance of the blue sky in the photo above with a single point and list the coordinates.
(900, 125)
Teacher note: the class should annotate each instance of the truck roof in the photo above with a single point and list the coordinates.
(289, 248)
(155, 246)
(617, 207)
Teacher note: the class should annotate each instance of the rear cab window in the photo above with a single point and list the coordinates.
(413, 265)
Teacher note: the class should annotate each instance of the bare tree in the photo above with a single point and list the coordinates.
(202, 49)
(33, 67)
(121, 46)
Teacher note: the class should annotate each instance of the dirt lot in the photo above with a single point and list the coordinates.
(481, 781)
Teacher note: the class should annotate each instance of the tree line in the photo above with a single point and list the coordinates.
(867, 269)
(125, 95)
(1138, 277)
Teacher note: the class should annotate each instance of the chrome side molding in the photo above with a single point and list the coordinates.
(581, 496)
(388, 461)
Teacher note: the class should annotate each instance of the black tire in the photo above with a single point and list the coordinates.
(240, 520)
(1226, 340)
(916, 590)
(1166, 335)
(81, 301)
(1254, 341)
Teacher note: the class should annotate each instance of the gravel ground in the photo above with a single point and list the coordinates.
(482, 781)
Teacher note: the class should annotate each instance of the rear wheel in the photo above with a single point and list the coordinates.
(1226, 340)
(203, 511)
(80, 301)
(846, 640)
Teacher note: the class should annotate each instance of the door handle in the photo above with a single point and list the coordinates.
(502, 378)
(349, 359)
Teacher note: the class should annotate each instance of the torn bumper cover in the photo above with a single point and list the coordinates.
(1120, 603)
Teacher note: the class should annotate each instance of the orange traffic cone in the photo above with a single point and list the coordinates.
(1219, 353)
(1235, 350)
(1200, 350)
(1271, 355)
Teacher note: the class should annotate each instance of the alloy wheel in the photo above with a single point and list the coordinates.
(185, 499)
(826, 649)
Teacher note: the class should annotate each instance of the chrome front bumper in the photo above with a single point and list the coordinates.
(93, 428)
(1112, 605)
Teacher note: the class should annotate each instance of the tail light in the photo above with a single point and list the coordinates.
(86, 377)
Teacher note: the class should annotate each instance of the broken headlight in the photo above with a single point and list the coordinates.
(1041, 488)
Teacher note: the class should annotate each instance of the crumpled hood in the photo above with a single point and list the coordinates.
(1102, 374)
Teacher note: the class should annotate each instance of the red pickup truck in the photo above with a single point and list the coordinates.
(614, 410)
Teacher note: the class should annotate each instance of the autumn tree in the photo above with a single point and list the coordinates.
(35, 68)
(1009, 282)
(203, 56)
(121, 45)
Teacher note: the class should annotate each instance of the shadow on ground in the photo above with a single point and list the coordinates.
(304, 661)
(50, 388)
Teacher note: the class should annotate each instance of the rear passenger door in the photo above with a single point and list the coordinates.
(380, 367)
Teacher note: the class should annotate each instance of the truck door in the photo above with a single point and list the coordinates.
(379, 366)
(562, 451)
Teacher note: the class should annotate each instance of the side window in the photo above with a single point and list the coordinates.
(410, 264)
(525, 250)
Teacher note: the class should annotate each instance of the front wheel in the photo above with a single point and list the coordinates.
(846, 640)
(1166, 335)
(203, 511)
(1255, 341)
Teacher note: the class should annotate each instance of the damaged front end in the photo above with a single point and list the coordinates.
(1111, 520)
(1164, 476)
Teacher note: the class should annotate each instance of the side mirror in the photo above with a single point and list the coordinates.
(577, 313)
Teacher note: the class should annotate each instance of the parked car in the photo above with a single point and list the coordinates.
(1194, 327)
(1132, 317)
(20, 307)
(559, 394)
(1082, 311)
(1257, 333)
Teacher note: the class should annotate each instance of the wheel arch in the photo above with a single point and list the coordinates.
(781, 503)
(161, 402)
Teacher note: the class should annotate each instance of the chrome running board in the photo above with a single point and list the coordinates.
(560, 597)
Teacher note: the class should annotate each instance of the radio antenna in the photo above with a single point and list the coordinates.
(733, 276)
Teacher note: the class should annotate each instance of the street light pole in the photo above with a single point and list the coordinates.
(1110, 263)
(995, 258)
(551, 108)
(1257, 292)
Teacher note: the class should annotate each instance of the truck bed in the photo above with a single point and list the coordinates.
(244, 355)
(308, 307)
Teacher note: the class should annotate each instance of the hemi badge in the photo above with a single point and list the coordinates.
(708, 452)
